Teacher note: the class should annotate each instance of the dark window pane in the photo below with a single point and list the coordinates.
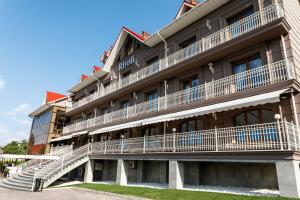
(267, 116)
(239, 68)
(239, 120)
(255, 62)
(252, 117)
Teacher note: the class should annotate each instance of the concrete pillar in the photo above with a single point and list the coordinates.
(176, 174)
(288, 175)
(122, 172)
(89, 171)
(140, 171)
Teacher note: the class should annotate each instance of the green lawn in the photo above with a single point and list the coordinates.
(166, 194)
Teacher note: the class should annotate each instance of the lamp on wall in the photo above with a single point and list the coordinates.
(208, 24)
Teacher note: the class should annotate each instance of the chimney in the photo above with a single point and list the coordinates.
(145, 34)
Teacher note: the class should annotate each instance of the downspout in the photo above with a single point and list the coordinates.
(166, 47)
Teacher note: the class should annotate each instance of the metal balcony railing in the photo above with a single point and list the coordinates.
(246, 25)
(260, 137)
(265, 75)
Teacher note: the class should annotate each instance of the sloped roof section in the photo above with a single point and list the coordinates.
(118, 44)
(96, 69)
(83, 77)
(186, 19)
(53, 96)
(186, 6)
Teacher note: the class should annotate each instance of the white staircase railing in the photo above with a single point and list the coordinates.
(246, 25)
(47, 172)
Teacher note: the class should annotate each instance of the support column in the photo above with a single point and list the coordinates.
(176, 174)
(288, 175)
(89, 171)
(122, 171)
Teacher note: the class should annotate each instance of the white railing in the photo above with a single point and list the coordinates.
(265, 75)
(259, 137)
(66, 159)
(59, 150)
(246, 25)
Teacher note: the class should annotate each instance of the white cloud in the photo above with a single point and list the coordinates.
(2, 83)
(24, 122)
(23, 109)
(7, 136)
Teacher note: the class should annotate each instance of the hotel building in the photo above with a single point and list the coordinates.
(210, 99)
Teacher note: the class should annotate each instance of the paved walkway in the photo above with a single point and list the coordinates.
(60, 194)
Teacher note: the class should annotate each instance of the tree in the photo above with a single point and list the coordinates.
(15, 147)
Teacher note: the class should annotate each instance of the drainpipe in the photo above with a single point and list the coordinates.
(166, 47)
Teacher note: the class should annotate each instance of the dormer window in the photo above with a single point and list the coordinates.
(129, 47)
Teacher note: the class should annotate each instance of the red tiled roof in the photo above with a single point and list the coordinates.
(96, 69)
(52, 96)
(140, 37)
(83, 77)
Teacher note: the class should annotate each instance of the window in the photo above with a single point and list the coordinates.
(194, 130)
(187, 42)
(237, 25)
(124, 104)
(254, 117)
(151, 130)
(191, 91)
(254, 78)
(151, 98)
(129, 47)
(192, 50)
(104, 111)
(254, 134)
(154, 65)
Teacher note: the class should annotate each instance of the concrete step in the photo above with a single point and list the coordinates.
(13, 179)
(13, 187)
(22, 178)
(17, 185)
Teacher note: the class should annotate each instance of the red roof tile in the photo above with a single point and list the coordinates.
(52, 96)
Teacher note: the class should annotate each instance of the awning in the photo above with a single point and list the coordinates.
(117, 127)
(61, 138)
(79, 133)
(271, 97)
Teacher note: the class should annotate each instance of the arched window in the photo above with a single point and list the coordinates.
(258, 116)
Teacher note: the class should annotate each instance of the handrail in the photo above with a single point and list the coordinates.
(278, 136)
(246, 25)
(265, 75)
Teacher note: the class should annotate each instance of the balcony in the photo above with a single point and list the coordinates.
(263, 76)
(280, 136)
(229, 33)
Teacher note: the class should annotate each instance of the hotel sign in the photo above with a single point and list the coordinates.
(126, 63)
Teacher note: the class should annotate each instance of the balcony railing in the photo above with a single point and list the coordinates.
(259, 137)
(246, 25)
(262, 76)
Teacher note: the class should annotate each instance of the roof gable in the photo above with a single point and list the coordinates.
(124, 33)
(52, 96)
(186, 6)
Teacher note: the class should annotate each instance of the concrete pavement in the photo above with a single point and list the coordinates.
(61, 194)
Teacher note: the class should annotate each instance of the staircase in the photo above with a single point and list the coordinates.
(24, 180)
(66, 163)
(49, 172)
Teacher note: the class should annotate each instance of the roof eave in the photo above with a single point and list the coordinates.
(186, 19)
(88, 81)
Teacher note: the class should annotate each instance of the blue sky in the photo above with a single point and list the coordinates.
(48, 44)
